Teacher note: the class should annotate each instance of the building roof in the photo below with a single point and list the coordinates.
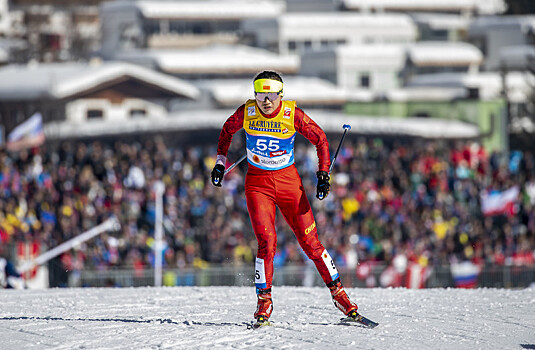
(479, 25)
(442, 21)
(202, 10)
(429, 53)
(62, 80)
(490, 84)
(479, 6)
(307, 91)
(218, 59)
(331, 122)
(324, 24)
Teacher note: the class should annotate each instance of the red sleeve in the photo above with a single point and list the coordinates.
(233, 124)
(309, 129)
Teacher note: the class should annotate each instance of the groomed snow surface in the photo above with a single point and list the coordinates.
(305, 318)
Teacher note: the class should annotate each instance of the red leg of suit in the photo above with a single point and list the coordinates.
(264, 190)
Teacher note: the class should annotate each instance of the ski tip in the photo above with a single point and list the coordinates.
(359, 320)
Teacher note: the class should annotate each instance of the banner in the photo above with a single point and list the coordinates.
(26, 135)
(497, 203)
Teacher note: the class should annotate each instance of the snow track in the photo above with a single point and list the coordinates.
(305, 318)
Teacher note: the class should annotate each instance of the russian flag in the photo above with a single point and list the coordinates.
(496, 202)
(465, 274)
(26, 135)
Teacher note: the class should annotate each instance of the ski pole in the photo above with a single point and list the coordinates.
(233, 165)
(346, 128)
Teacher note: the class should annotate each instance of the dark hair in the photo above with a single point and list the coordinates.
(267, 74)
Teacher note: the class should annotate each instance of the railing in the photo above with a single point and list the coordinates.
(296, 275)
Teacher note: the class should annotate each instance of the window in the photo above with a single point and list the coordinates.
(292, 45)
(95, 114)
(137, 112)
(421, 114)
(364, 80)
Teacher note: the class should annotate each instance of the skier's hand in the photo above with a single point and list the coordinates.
(323, 187)
(217, 174)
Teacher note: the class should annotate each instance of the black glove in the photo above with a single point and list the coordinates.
(217, 174)
(323, 185)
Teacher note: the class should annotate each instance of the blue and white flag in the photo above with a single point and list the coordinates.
(26, 135)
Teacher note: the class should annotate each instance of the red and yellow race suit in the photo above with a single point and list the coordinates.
(272, 180)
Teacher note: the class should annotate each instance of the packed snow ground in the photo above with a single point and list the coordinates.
(305, 318)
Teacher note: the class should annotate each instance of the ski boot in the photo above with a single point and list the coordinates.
(264, 308)
(341, 300)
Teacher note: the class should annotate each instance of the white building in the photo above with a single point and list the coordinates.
(4, 18)
(298, 32)
(80, 95)
(493, 34)
(381, 67)
(430, 57)
(441, 26)
(372, 67)
(177, 24)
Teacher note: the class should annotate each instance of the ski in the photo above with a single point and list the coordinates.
(256, 325)
(360, 320)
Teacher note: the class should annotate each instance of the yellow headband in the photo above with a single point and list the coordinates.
(267, 85)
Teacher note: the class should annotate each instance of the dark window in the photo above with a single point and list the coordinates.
(422, 115)
(292, 45)
(365, 80)
(94, 113)
(135, 113)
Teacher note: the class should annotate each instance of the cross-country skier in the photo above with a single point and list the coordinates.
(272, 180)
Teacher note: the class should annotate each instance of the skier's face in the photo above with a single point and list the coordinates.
(268, 106)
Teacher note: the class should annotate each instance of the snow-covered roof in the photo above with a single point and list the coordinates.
(417, 127)
(374, 54)
(202, 10)
(480, 25)
(61, 80)
(481, 6)
(442, 21)
(214, 59)
(294, 24)
(330, 121)
(519, 84)
(425, 94)
(305, 90)
(444, 53)
(345, 19)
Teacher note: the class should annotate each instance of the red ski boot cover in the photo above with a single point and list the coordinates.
(340, 298)
(265, 305)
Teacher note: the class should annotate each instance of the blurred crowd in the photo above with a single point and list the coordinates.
(414, 197)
